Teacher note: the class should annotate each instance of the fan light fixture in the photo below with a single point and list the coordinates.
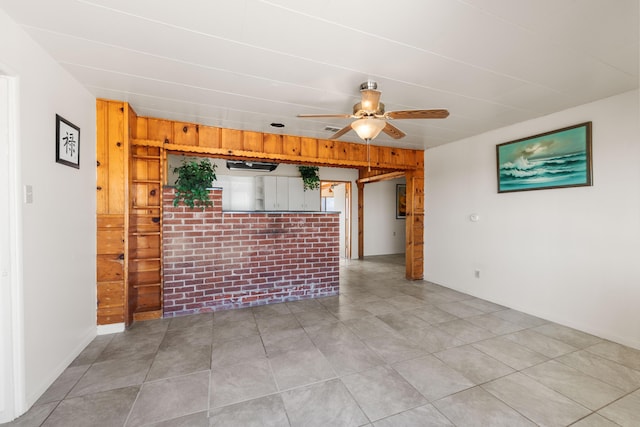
(367, 128)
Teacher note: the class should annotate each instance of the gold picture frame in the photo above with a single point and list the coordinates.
(401, 201)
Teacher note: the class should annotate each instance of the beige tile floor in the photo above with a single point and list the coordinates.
(386, 352)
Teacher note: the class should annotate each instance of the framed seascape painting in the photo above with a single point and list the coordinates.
(556, 159)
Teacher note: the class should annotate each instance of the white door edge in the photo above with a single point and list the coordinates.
(12, 376)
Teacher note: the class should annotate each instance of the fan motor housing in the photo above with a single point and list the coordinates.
(369, 84)
(359, 111)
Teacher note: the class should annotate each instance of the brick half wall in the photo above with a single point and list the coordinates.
(215, 260)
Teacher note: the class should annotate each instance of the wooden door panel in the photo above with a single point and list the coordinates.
(109, 315)
(110, 267)
(146, 265)
(149, 298)
(110, 221)
(110, 241)
(145, 242)
(110, 294)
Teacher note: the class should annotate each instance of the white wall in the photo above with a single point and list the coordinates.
(568, 255)
(350, 175)
(59, 237)
(384, 234)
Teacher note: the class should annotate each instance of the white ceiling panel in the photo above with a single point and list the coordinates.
(535, 98)
(245, 63)
(220, 18)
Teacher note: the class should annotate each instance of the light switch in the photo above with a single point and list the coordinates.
(28, 194)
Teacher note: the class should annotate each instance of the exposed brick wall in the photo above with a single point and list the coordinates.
(217, 260)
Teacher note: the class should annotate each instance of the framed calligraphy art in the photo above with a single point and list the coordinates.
(67, 143)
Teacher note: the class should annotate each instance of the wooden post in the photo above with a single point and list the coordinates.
(414, 251)
(360, 220)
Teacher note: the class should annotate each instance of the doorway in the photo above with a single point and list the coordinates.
(335, 196)
(11, 380)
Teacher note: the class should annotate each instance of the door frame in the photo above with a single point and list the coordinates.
(347, 213)
(12, 393)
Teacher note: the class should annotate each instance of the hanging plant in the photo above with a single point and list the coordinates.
(310, 178)
(193, 183)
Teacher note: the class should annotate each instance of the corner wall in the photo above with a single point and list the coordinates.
(58, 228)
(567, 255)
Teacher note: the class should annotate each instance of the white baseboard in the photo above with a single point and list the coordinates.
(110, 329)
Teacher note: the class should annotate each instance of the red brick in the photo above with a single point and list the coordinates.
(245, 259)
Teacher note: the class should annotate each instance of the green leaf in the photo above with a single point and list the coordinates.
(194, 180)
(310, 178)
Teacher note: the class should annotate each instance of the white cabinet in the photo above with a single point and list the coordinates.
(237, 192)
(272, 193)
(282, 193)
(300, 200)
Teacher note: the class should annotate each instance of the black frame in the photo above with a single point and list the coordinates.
(65, 129)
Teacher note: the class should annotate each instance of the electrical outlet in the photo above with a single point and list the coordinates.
(476, 273)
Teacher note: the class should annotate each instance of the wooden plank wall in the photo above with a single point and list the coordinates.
(111, 193)
(237, 144)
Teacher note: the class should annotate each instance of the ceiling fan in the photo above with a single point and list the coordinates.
(373, 119)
